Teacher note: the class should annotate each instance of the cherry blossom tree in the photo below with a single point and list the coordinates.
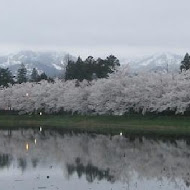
(118, 94)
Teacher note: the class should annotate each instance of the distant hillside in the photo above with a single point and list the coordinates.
(52, 63)
(158, 62)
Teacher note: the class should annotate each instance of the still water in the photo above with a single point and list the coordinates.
(36, 159)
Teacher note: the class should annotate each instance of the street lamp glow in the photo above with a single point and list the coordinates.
(121, 134)
(27, 146)
(40, 129)
(35, 141)
(27, 94)
(40, 113)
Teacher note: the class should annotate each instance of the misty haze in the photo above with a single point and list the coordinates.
(94, 94)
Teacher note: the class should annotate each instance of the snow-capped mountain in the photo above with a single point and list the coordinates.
(52, 63)
(168, 62)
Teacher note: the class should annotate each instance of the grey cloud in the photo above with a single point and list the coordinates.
(95, 23)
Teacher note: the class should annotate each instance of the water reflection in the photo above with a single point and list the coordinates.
(92, 172)
(5, 160)
(50, 159)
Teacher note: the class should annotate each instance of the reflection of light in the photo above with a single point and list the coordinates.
(40, 128)
(27, 146)
(121, 133)
(27, 94)
(35, 141)
(40, 113)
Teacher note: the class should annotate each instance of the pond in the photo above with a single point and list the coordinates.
(33, 159)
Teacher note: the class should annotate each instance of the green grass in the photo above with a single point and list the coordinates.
(131, 124)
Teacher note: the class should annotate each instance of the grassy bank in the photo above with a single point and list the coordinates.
(134, 124)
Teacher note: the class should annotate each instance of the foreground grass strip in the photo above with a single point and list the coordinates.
(160, 125)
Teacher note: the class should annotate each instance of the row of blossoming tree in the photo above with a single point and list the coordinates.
(118, 94)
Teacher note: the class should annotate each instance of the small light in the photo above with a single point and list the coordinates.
(40, 113)
(40, 128)
(121, 133)
(27, 146)
(27, 94)
(35, 141)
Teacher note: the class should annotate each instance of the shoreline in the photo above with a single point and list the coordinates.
(134, 124)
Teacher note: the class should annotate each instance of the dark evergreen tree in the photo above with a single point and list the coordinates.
(78, 70)
(43, 76)
(185, 64)
(35, 76)
(21, 74)
(72, 67)
(51, 80)
(112, 62)
(6, 77)
(90, 69)
(107, 66)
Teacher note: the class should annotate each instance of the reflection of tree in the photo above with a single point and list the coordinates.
(22, 163)
(91, 172)
(102, 157)
(34, 162)
(5, 160)
(187, 183)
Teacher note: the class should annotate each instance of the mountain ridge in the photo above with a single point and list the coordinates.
(53, 63)
(164, 61)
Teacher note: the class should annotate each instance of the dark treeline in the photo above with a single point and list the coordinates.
(185, 64)
(90, 68)
(6, 77)
(34, 77)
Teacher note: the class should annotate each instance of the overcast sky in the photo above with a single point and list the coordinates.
(95, 26)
